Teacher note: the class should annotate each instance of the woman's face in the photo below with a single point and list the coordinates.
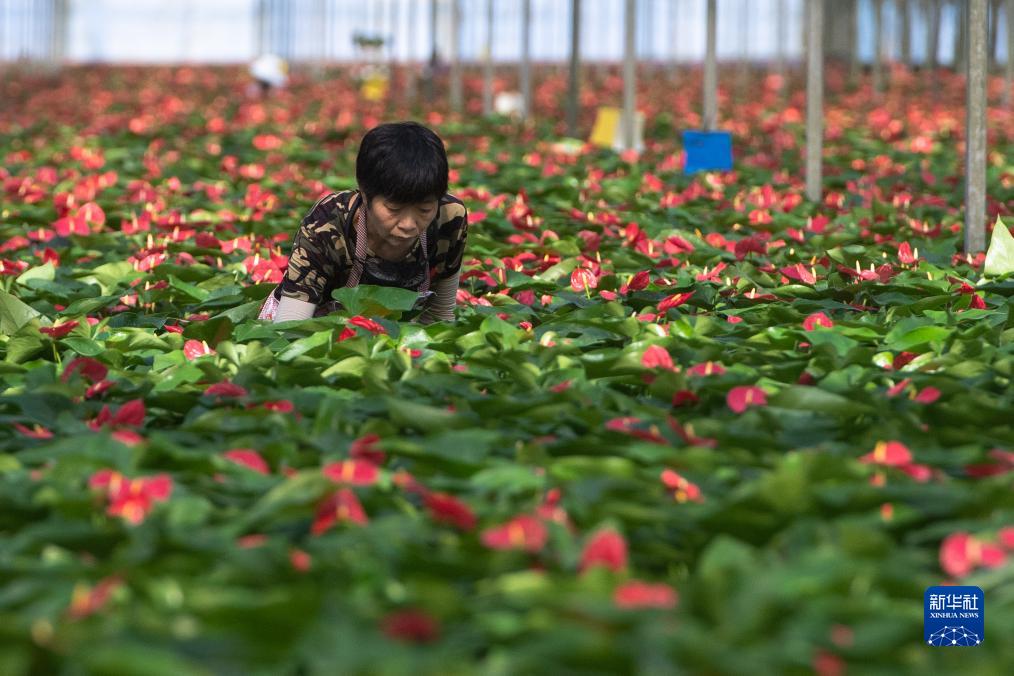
(398, 224)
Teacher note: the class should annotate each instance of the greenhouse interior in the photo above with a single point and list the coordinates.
(506, 336)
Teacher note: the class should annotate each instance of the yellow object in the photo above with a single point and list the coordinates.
(374, 88)
(1000, 255)
(607, 121)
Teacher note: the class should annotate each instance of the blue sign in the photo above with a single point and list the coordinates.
(707, 151)
(954, 617)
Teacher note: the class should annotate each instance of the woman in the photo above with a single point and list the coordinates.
(400, 228)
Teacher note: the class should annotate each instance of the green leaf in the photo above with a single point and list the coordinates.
(1000, 255)
(194, 292)
(379, 301)
(45, 272)
(14, 314)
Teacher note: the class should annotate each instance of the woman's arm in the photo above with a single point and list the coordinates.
(290, 309)
(443, 301)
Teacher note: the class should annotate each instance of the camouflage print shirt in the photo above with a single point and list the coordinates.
(322, 250)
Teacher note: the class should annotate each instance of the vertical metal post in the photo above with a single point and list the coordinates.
(1009, 68)
(674, 21)
(975, 145)
(994, 21)
(526, 59)
(629, 72)
(961, 37)
(781, 35)
(906, 32)
(853, 30)
(456, 86)
(710, 118)
(487, 63)
(742, 76)
(878, 46)
(933, 10)
(574, 81)
(412, 84)
(815, 99)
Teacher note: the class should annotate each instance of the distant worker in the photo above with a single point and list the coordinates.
(399, 228)
(271, 72)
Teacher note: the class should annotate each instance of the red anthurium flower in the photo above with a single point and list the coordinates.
(300, 560)
(898, 388)
(248, 458)
(368, 324)
(98, 388)
(605, 548)
(817, 319)
(365, 448)
(977, 302)
(225, 389)
(444, 508)
(347, 332)
(961, 553)
(583, 278)
(656, 356)
(131, 413)
(412, 626)
(90, 600)
(675, 300)
(682, 489)
(743, 397)
(280, 406)
(800, 273)
(638, 282)
(684, 398)
(927, 395)
(33, 432)
(636, 594)
(522, 532)
(131, 499)
(342, 506)
(352, 472)
(1006, 537)
(905, 254)
(59, 330)
(708, 368)
(888, 453)
(194, 349)
(1004, 463)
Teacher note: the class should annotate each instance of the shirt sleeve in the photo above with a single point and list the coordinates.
(317, 254)
(450, 241)
(441, 306)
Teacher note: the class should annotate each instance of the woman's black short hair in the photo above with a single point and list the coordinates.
(404, 162)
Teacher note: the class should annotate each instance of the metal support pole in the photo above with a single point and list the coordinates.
(574, 81)
(906, 33)
(710, 118)
(781, 35)
(878, 46)
(526, 59)
(994, 21)
(674, 21)
(1009, 68)
(933, 35)
(975, 144)
(487, 63)
(629, 72)
(961, 37)
(815, 99)
(743, 74)
(456, 85)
